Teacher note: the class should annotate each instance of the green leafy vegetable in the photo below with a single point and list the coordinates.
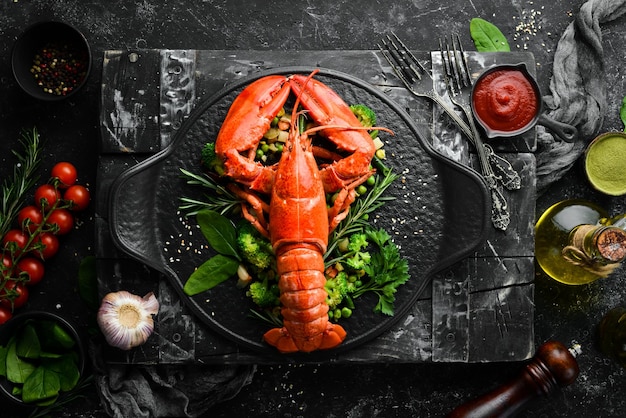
(622, 112)
(219, 232)
(211, 273)
(487, 37)
(41, 361)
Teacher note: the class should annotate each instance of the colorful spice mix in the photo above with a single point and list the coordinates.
(59, 68)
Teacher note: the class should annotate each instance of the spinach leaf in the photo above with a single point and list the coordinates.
(211, 273)
(65, 366)
(42, 385)
(18, 370)
(28, 343)
(219, 232)
(487, 37)
(54, 338)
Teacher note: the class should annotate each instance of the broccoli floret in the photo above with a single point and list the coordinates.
(359, 260)
(357, 242)
(210, 160)
(264, 294)
(254, 247)
(337, 288)
(366, 116)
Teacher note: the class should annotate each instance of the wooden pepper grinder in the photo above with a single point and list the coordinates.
(553, 365)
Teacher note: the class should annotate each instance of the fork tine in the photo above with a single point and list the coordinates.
(406, 66)
(450, 71)
(463, 66)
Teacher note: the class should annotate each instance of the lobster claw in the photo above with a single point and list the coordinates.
(328, 109)
(247, 120)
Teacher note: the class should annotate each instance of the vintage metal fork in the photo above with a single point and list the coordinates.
(459, 84)
(410, 71)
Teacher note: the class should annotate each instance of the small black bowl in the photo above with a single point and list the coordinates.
(9, 328)
(49, 80)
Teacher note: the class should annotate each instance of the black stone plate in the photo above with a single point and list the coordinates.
(440, 214)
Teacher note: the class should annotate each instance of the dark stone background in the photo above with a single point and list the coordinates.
(563, 313)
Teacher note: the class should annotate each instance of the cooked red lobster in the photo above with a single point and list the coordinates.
(297, 187)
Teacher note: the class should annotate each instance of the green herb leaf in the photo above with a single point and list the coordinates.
(622, 112)
(219, 232)
(24, 177)
(487, 37)
(65, 366)
(54, 337)
(42, 385)
(28, 345)
(18, 370)
(211, 273)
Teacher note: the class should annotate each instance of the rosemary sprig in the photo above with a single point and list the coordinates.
(357, 218)
(14, 188)
(221, 200)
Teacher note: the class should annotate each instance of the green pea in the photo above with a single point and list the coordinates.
(265, 148)
(371, 180)
(346, 312)
(259, 153)
(361, 190)
(337, 313)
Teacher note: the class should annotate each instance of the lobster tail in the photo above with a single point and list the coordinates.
(305, 312)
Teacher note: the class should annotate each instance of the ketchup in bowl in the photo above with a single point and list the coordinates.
(506, 100)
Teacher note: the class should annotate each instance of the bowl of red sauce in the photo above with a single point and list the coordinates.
(506, 101)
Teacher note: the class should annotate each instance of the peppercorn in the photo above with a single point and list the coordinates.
(59, 68)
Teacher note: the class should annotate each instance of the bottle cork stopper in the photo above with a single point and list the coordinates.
(611, 244)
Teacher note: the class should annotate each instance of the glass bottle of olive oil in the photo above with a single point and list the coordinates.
(576, 242)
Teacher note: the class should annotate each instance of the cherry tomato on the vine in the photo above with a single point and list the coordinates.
(29, 218)
(7, 263)
(5, 314)
(16, 236)
(33, 267)
(49, 244)
(15, 292)
(46, 195)
(63, 220)
(78, 196)
(66, 174)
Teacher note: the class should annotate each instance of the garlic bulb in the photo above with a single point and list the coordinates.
(126, 319)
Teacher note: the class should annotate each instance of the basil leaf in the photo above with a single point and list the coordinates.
(41, 385)
(53, 336)
(622, 112)
(219, 232)
(487, 37)
(211, 273)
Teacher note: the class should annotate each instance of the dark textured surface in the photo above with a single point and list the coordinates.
(426, 390)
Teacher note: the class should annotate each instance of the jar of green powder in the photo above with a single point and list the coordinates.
(605, 163)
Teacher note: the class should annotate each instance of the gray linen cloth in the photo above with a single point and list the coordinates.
(578, 89)
(578, 97)
(159, 391)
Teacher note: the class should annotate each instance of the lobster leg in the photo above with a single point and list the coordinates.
(248, 118)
